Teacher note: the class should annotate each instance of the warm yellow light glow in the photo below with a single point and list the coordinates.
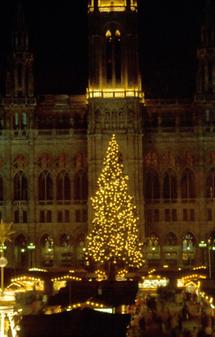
(61, 281)
(27, 283)
(112, 5)
(115, 93)
(7, 314)
(113, 242)
(153, 283)
(108, 33)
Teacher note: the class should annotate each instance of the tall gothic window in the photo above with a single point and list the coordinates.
(63, 186)
(210, 184)
(152, 186)
(81, 185)
(188, 185)
(20, 184)
(113, 56)
(170, 186)
(45, 186)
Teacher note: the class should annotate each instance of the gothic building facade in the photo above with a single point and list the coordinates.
(52, 148)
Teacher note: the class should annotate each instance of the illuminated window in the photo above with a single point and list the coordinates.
(188, 248)
(113, 56)
(188, 242)
(188, 185)
(24, 119)
(63, 186)
(112, 5)
(20, 120)
(45, 186)
(20, 184)
(153, 247)
(47, 250)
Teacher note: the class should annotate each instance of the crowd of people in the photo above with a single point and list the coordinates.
(171, 313)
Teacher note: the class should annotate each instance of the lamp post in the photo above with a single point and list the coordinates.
(202, 246)
(31, 247)
(209, 259)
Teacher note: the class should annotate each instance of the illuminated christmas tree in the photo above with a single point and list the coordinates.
(113, 242)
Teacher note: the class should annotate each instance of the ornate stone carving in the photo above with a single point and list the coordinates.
(45, 160)
(20, 161)
(151, 159)
(62, 160)
(168, 159)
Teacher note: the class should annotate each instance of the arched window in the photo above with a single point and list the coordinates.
(170, 186)
(113, 56)
(1, 189)
(188, 248)
(47, 250)
(152, 186)
(188, 185)
(45, 186)
(210, 184)
(20, 186)
(171, 249)
(66, 249)
(188, 242)
(21, 257)
(65, 240)
(63, 186)
(81, 185)
(171, 239)
(153, 247)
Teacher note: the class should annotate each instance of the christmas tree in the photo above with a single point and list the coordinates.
(113, 241)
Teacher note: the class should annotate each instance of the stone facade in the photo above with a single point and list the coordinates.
(52, 149)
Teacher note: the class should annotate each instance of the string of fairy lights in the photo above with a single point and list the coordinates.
(114, 235)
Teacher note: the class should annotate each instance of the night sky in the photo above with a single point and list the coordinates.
(169, 34)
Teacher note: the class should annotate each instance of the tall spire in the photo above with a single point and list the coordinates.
(19, 82)
(206, 54)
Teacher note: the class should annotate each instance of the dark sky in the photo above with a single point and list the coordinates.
(169, 33)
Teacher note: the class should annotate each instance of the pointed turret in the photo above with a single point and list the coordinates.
(19, 79)
(206, 54)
